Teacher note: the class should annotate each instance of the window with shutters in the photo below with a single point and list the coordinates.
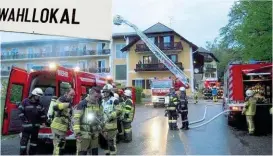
(147, 59)
(139, 83)
(148, 84)
(121, 73)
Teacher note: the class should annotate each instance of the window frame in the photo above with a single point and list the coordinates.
(22, 92)
(176, 56)
(119, 54)
(117, 74)
(150, 60)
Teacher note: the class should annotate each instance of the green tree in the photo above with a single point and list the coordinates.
(4, 85)
(248, 34)
(249, 30)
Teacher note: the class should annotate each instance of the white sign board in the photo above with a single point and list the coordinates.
(72, 18)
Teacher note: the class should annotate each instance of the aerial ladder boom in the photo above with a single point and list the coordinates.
(118, 20)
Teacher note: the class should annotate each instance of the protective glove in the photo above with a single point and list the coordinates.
(78, 135)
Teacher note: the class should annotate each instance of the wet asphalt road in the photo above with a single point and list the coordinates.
(152, 137)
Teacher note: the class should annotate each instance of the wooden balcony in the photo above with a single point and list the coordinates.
(163, 46)
(155, 67)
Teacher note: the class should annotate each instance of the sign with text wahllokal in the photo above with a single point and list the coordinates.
(71, 18)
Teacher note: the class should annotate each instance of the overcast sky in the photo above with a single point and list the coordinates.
(196, 20)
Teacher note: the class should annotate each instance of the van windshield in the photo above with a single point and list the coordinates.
(161, 84)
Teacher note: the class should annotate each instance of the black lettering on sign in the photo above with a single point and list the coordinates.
(3, 13)
(65, 17)
(53, 15)
(11, 15)
(20, 14)
(73, 17)
(27, 20)
(33, 17)
(44, 15)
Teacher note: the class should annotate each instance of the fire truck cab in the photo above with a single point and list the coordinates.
(160, 90)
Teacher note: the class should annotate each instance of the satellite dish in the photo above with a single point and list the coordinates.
(196, 70)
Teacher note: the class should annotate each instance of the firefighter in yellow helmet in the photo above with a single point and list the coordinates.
(249, 111)
(87, 119)
(109, 104)
(127, 115)
(61, 120)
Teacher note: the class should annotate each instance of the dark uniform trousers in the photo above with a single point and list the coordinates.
(32, 134)
(172, 116)
(184, 114)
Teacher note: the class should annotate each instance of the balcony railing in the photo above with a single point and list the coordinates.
(97, 70)
(155, 67)
(162, 46)
(210, 69)
(5, 73)
(208, 59)
(62, 54)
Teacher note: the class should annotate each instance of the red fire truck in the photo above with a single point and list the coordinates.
(21, 82)
(160, 89)
(240, 77)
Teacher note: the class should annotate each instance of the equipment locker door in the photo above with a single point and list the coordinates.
(16, 92)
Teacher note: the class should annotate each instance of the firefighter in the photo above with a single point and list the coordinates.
(249, 111)
(32, 114)
(127, 115)
(172, 110)
(183, 108)
(88, 123)
(61, 120)
(110, 116)
(119, 118)
(195, 95)
(214, 94)
(172, 92)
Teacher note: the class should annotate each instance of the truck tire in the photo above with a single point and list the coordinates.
(230, 122)
(155, 105)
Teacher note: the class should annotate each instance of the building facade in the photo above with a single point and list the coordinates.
(126, 57)
(205, 67)
(89, 55)
(143, 65)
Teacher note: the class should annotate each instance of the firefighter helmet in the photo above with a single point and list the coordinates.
(249, 93)
(37, 92)
(108, 87)
(116, 95)
(182, 89)
(128, 93)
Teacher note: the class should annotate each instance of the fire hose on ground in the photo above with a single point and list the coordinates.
(204, 117)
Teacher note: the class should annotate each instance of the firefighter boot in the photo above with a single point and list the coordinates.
(95, 151)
